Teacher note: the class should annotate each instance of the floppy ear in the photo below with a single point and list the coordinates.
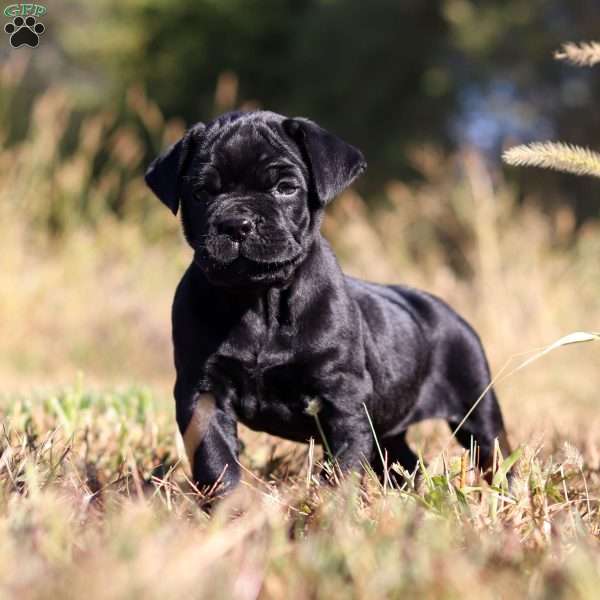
(164, 173)
(334, 163)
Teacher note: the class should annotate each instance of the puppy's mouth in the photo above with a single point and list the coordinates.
(234, 264)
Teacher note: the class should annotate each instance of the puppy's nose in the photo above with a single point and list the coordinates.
(237, 228)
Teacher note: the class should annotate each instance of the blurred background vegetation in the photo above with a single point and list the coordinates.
(386, 75)
(431, 91)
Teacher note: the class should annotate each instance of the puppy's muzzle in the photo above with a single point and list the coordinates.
(237, 228)
(230, 231)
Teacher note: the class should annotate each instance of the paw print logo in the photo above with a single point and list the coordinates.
(24, 32)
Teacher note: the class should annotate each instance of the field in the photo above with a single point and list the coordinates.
(94, 505)
(94, 496)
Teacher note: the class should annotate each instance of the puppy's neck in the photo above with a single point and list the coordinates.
(312, 278)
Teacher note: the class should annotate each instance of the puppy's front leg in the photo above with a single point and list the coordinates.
(210, 438)
(348, 433)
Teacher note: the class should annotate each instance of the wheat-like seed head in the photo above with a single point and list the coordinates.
(555, 155)
(584, 54)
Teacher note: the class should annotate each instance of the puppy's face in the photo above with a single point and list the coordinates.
(251, 188)
(244, 203)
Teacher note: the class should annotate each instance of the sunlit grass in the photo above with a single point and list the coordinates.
(94, 496)
(95, 502)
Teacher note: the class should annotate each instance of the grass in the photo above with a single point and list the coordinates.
(95, 502)
(94, 498)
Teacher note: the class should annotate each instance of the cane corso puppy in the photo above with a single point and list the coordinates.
(265, 324)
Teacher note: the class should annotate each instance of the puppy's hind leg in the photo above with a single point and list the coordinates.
(484, 425)
(397, 451)
(479, 417)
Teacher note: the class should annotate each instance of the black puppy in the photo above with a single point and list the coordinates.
(264, 320)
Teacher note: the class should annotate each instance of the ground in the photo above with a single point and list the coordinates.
(94, 496)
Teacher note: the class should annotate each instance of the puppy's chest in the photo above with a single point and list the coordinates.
(271, 387)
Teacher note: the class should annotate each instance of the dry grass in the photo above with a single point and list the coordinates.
(94, 500)
(555, 155)
(94, 503)
(582, 54)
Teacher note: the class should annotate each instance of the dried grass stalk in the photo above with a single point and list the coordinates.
(557, 156)
(584, 54)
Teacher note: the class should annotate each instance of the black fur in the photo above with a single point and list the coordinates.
(265, 320)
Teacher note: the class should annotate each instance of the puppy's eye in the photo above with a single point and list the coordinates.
(206, 189)
(206, 183)
(213, 188)
(285, 188)
(199, 193)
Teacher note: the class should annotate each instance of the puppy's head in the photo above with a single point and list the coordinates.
(252, 187)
